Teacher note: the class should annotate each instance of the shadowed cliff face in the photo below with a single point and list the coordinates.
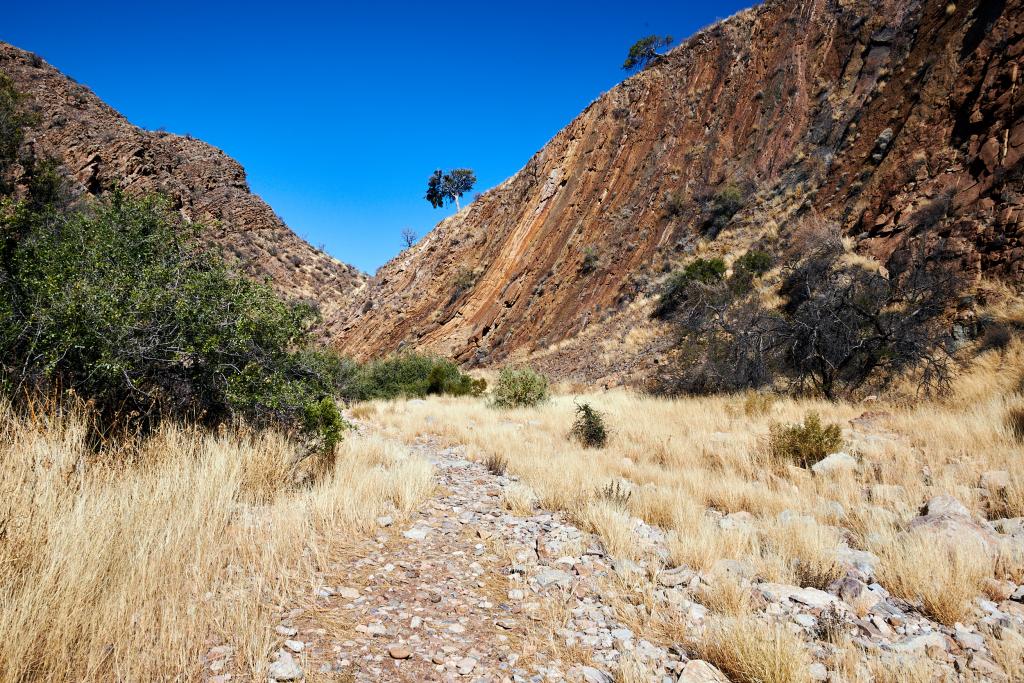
(101, 150)
(899, 121)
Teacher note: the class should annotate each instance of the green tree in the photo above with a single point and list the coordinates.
(122, 303)
(645, 51)
(449, 187)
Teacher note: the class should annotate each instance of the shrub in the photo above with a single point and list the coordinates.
(804, 444)
(675, 204)
(996, 335)
(591, 260)
(589, 427)
(124, 305)
(519, 387)
(723, 206)
(679, 285)
(411, 375)
(753, 262)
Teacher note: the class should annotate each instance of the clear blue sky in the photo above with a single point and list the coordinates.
(339, 113)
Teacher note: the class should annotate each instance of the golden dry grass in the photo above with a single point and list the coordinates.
(129, 565)
(749, 650)
(686, 462)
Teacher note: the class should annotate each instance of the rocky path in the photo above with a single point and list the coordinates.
(465, 591)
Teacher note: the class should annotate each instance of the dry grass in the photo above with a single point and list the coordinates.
(687, 462)
(748, 650)
(130, 564)
(940, 575)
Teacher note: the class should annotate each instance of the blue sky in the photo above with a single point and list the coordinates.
(339, 113)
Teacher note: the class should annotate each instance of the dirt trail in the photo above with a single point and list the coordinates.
(464, 590)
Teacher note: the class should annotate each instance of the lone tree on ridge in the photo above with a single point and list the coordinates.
(448, 187)
(644, 52)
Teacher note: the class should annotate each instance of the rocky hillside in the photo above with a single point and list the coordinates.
(102, 150)
(898, 121)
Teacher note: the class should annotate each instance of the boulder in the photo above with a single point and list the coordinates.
(699, 671)
(285, 668)
(811, 597)
(835, 463)
(946, 506)
(995, 480)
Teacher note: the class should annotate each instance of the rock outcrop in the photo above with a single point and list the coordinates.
(898, 121)
(102, 150)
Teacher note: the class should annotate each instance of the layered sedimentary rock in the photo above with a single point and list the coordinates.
(898, 121)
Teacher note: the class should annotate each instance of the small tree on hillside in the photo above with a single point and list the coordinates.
(449, 187)
(409, 237)
(645, 51)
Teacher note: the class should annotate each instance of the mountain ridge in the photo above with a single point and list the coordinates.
(101, 150)
(866, 115)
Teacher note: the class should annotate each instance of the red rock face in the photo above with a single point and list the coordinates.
(102, 150)
(898, 121)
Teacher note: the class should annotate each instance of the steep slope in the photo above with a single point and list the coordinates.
(897, 120)
(101, 150)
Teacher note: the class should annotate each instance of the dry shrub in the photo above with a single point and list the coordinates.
(496, 463)
(940, 575)
(750, 651)
(757, 403)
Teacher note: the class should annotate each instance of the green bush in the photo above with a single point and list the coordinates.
(412, 375)
(723, 206)
(753, 262)
(701, 271)
(122, 304)
(519, 387)
(804, 444)
(589, 427)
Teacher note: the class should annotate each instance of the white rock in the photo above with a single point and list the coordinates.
(812, 597)
(592, 675)
(348, 593)
(285, 668)
(286, 631)
(416, 533)
(947, 505)
(699, 671)
(295, 645)
(835, 464)
(817, 672)
(466, 665)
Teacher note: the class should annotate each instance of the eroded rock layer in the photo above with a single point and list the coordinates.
(898, 120)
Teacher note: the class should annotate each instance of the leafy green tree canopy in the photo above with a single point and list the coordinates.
(449, 187)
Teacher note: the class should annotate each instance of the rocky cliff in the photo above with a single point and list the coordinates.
(102, 150)
(898, 121)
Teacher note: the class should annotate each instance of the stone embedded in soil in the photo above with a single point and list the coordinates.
(399, 652)
(285, 668)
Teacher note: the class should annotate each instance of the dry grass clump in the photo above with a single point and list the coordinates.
(519, 499)
(748, 650)
(941, 575)
(128, 564)
(725, 595)
(1008, 652)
